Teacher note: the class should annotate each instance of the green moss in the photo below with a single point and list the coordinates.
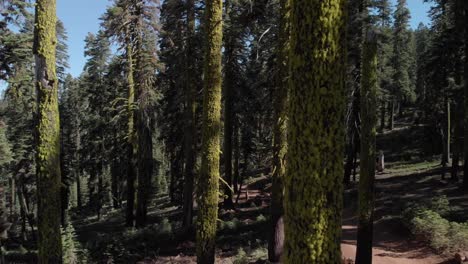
(208, 182)
(48, 135)
(314, 172)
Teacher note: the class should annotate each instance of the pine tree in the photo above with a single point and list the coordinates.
(190, 133)
(314, 173)
(402, 91)
(48, 134)
(368, 148)
(207, 190)
(465, 170)
(276, 236)
(5, 149)
(146, 66)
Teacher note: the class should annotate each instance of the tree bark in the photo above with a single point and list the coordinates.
(391, 118)
(47, 134)
(368, 150)
(276, 236)
(190, 116)
(314, 177)
(465, 168)
(382, 116)
(131, 137)
(208, 186)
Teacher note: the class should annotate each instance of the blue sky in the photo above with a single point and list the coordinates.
(82, 16)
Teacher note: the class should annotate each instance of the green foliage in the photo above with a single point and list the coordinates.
(73, 252)
(232, 224)
(241, 257)
(427, 221)
(251, 254)
(261, 218)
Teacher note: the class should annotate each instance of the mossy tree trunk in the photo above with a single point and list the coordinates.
(369, 88)
(276, 232)
(48, 135)
(208, 181)
(314, 171)
(190, 116)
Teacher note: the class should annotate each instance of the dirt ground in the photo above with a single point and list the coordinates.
(411, 175)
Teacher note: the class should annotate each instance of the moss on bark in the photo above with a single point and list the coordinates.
(314, 171)
(48, 135)
(208, 182)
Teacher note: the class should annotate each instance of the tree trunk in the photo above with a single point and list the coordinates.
(236, 171)
(446, 136)
(368, 150)
(190, 116)
(145, 171)
(131, 140)
(47, 134)
(78, 190)
(208, 186)
(391, 108)
(457, 148)
(382, 116)
(465, 168)
(228, 85)
(314, 177)
(276, 236)
(143, 129)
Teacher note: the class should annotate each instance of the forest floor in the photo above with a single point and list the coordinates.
(410, 175)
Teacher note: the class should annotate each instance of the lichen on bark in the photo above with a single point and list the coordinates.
(314, 168)
(208, 179)
(47, 135)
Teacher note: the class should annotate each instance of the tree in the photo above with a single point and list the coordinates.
(276, 236)
(314, 173)
(207, 191)
(48, 134)
(5, 149)
(465, 169)
(190, 133)
(402, 91)
(146, 66)
(368, 148)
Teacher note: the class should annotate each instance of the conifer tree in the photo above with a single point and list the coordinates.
(48, 134)
(190, 133)
(314, 172)
(207, 190)
(368, 148)
(276, 236)
(402, 91)
(465, 169)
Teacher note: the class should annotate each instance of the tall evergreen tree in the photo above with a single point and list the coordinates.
(465, 170)
(207, 190)
(368, 148)
(48, 134)
(276, 236)
(402, 91)
(314, 174)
